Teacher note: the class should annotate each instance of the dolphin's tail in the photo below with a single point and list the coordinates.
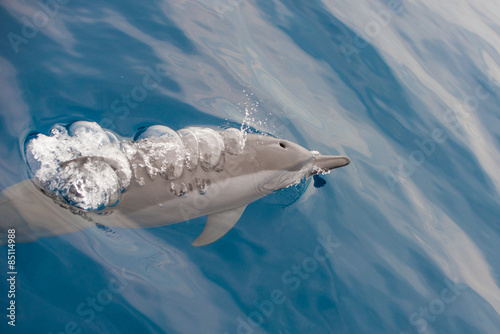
(34, 215)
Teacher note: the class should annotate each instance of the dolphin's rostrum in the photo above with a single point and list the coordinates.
(83, 173)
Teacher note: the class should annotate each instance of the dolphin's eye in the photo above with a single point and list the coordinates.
(282, 144)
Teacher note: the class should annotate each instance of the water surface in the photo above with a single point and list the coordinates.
(409, 91)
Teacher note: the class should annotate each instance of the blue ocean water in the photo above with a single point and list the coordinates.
(408, 90)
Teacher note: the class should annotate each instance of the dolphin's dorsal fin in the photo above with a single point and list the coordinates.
(218, 224)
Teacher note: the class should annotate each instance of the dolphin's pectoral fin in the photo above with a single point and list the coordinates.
(318, 181)
(218, 224)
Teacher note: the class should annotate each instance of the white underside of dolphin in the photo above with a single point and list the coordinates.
(83, 175)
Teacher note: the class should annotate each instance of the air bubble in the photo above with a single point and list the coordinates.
(161, 151)
(81, 165)
(192, 152)
(211, 147)
(89, 167)
(179, 189)
(234, 141)
(92, 185)
(202, 185)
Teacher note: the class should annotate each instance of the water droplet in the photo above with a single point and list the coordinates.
(202, 185)
(179, 189)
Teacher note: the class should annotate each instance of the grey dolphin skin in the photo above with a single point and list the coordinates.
(85, 175)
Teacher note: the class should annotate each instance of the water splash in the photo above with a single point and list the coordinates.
(56, 164)
(90, 167)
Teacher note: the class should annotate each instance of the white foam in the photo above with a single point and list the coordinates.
(192, 153)
(234, 140)
(160, 150)
(88, 184)
(211, 147)
(90, 167)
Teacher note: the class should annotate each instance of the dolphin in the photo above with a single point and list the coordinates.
(82, 175)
